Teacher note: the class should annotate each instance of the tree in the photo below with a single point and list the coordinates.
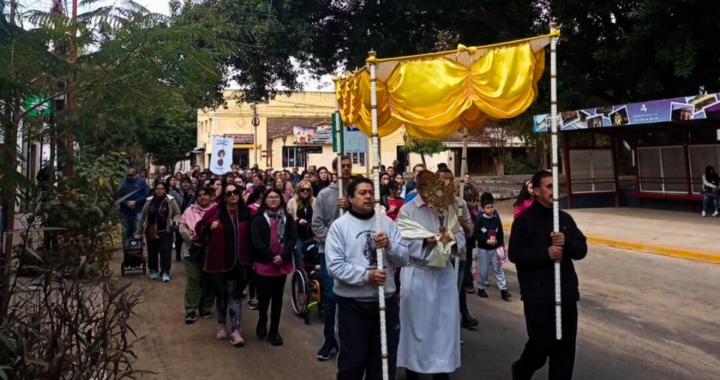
(171, 136)
(130, 63)
(501, 138)
(422, 147)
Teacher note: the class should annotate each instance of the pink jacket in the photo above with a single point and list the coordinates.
(522, 207)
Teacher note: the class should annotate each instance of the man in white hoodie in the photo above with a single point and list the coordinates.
(351, 252)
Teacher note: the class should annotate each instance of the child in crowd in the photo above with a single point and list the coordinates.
(491, 246)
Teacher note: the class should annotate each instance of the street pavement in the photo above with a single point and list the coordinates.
(642, 317)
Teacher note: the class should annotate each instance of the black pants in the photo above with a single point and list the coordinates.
(541, 344)
(468, 278)
(270, 289)
(178, 246)
(160, 247)
(412, 375)
(358, 337)
(252, 284)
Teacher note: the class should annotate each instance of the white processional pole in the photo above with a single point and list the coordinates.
(463, 171)
(376, 179)
(556, 208)
(338, 135)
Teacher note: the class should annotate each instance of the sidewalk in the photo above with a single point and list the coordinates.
(669, 233)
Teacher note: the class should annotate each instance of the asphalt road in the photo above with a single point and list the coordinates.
(642, 317)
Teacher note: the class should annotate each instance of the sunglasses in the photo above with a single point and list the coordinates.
(304, 190)
(232, 192)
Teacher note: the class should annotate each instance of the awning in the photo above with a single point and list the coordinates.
(197, 150)
(675, 110)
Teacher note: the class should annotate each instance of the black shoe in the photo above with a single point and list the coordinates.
(325, 352)
(468, 321)
(207, 314)
(190, 318)
(275, 339)
(482, 293)
(253, 304)
(505, 295)
(261, 331)
(470, 289)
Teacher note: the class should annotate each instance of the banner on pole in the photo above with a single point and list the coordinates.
(221, 159)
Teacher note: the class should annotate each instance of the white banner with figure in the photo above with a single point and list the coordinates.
(221, 159)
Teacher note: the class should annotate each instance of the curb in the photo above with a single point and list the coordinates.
(661, 250)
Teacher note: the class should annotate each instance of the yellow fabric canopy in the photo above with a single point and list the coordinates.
(433, 95)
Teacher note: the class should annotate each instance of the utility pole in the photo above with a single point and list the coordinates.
(71, 96)
(255, 123)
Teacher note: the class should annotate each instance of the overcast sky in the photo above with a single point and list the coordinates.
(161, 6)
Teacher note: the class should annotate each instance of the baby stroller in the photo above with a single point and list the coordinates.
(133, 257)
(306, 283)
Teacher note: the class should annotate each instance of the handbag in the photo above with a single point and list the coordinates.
(197, 253)
(153, 231)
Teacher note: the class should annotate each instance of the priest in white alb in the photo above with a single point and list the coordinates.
(429, 301)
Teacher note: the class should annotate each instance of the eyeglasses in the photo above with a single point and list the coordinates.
(304, 190)
(232, 192)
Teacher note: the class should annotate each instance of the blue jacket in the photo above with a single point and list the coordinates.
(141, 192)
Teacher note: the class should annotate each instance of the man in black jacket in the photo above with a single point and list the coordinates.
(534, 249)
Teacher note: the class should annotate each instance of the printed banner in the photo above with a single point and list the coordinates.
(221, 158)
(242, 139)
(658, 111)
(321, 135)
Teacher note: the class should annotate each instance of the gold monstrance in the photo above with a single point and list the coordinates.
(439, 194)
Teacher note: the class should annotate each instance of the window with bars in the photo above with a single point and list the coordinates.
(293, 156)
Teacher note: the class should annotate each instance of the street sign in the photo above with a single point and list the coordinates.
(255, 121)
(314, 149)
(42, 110)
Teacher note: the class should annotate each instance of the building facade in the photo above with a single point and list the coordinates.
(294, 131)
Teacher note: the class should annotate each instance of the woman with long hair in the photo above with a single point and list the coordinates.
(159, 220)
(524, 199)
(394, 200)
(323, 178)
(399, 179)
(255, 199)
(301, 208)
(280, 185)
(225, 232)
(711, 190)
(273, 234)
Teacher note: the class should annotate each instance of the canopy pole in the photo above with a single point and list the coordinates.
(556, 207)
(338, 136)
(372, 63)
(463, 171)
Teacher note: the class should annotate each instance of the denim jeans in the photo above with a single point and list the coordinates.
(708, 200)
(130, 225)
(298, 253)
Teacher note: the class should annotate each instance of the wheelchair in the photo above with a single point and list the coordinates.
(306, 294)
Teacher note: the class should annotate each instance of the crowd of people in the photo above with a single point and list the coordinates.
(241, 233)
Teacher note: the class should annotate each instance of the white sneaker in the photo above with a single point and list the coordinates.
(703, 214)
(715, 214)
